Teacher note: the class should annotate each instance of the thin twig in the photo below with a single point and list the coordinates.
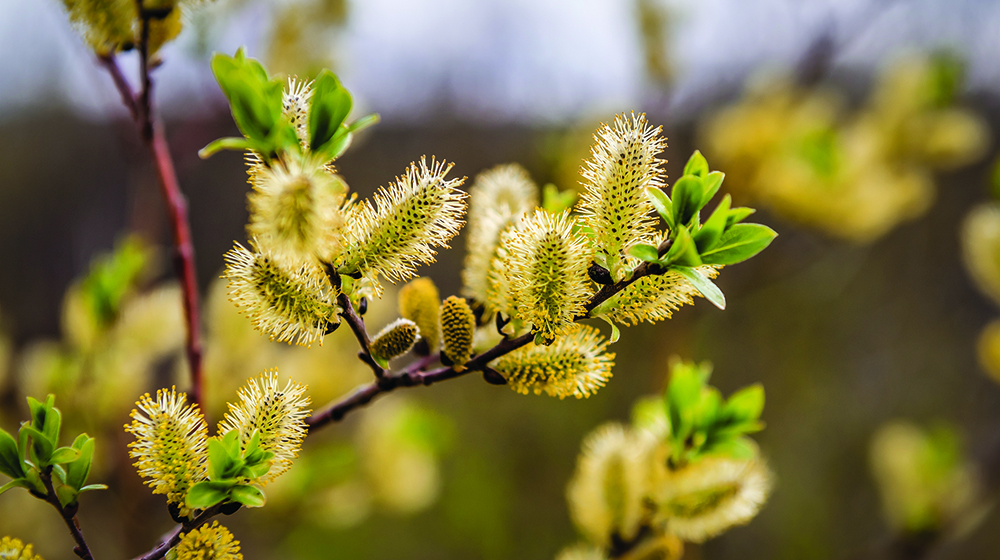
(175, 537)
(140, 107)
(410, 376)
(68, 515)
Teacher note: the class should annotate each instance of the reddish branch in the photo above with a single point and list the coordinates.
(150, 129)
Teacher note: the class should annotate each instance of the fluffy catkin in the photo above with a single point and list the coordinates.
(575, 365)
(614, 204)
(419, 211)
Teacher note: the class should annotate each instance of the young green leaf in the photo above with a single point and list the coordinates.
(41, 448)
(644, 252)
(250, 496)
(64, 455)
(747, 403)
(555, 201)
(711, 231)
(10, 464)
(66, 494)
(90, 487)
(235, 144)
(331, 103)
(686, 197)
(206, 494)
(696, 165)
(707, 288)
(683, 251)
(364, 122)
(710, 186)
(663, 205)
(16, 483)
(78, 470)
(737, 215)
(739, 243)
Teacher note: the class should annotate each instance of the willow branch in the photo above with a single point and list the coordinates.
(150, 129)
(411, 376)
(68, 515)
(175, 536)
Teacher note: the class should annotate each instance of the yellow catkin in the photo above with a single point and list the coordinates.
(208, 542)
(614, 204)
(458, 324)
(277, 414)
(575, 365)
(419, 302)
(14, 549)
(171, 444)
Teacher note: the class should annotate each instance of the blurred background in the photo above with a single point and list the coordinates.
(863, 130)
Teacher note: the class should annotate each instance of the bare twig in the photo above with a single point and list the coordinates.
(140, 107)
(68, 515)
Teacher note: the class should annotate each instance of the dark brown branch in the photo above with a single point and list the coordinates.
(175, 537)
(411, 376)
(68, 515)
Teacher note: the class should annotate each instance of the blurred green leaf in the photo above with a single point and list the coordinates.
(696, 165)
(330, 105)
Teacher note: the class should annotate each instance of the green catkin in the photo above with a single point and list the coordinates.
(458, 325)
(395, 339)
(419, 302)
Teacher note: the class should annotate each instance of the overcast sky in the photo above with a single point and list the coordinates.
(509, 60)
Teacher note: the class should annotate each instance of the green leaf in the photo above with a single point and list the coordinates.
(10, 463)
(78, 470)
(644, 252)
(330, 105)
(737, 215)
(616, 333)
(711, 231)
(67, 495)
(64, 455)
(682, 395)
(255, 99)
(206, 494)
(258, 470)
(364, 122)
(250, 496)
(738, 448)
(696, 165)
(747, 403)
(739, 243)
(662, 204)
(708, 289)
(683, 251)
(215, 146)
(253, 444)
(231, 443)
(16, 483)
(710, 186)
(41, 447)
(90, 487)
(53, 421)
(337, 146)
(686, 197)
(223, 463)
(555, 201)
